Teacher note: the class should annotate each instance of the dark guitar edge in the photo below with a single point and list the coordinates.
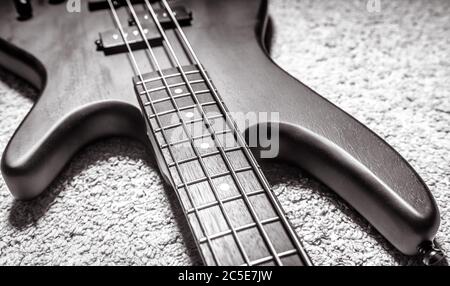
(329, 154)
(123, 115)
(23, 65)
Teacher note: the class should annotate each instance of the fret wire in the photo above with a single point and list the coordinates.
(215, 203)
(202, 91)
(247, 202)
(241, 228)
(196, 138)
(167, 99)
(162, 88)
(180, 109)
(226, 200)
(188, 122)
(172, 86)
(247, 152)
(180, 95)
(202, 227)
(167, 76)
(206, 155)
(268, 258)
(244, 254)
(245, 169)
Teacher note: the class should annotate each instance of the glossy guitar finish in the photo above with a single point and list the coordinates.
(87, 96)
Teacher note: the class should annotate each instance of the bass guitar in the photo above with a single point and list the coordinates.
(188, 78)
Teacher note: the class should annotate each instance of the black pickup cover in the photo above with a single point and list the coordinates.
(183, 16)
(111, 42)
(94, 5)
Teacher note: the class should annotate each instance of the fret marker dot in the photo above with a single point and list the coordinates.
(189, 114)
(178, 90)
(135, 32)
(115, 36)
(204, 145)
(224, 187)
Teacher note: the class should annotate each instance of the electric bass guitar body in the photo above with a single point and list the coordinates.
(87, 94)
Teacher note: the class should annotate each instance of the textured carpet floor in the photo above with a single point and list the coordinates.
(391, 70)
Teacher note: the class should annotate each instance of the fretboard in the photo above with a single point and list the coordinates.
(234, 216)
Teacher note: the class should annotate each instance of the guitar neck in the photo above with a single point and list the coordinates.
(232, 212)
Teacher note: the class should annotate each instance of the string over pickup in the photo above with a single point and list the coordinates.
(94, 5)
(183, 16)
(112, 42)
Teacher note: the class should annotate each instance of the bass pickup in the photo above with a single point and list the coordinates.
(112, 42)
(183, 16)
(95, 5)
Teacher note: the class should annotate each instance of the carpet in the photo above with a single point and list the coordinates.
(388, 67)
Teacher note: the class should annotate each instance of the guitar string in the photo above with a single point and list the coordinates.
(141, 77)
(182, 72)
(219, 146)
(224, 156)
(293, 236)
(184, 126)
(256, 167)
